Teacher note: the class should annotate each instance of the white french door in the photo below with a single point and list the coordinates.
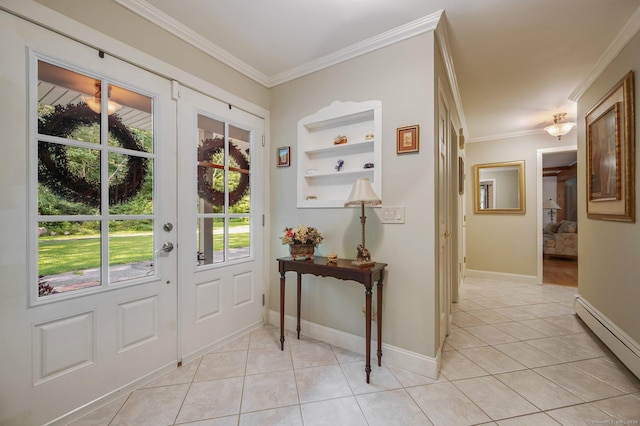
(220, 198)
(88, 303)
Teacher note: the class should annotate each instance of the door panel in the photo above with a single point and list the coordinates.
(66, 349)
(221, 206)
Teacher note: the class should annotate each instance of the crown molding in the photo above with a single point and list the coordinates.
(161, 19)
(625, 35)
(164, 21)
(511, 135)
(395, 35)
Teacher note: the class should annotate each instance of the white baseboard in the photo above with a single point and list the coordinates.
(619, 342)
(392, 355)
(502, 276)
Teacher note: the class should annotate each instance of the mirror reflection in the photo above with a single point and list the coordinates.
(499, 187)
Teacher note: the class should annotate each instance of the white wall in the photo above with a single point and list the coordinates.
(407, 94)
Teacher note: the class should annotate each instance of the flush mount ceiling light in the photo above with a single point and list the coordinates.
(95, 102)
(560, 126)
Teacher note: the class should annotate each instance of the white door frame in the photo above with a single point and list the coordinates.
(539, 202)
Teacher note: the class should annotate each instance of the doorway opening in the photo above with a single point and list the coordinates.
(558, 221)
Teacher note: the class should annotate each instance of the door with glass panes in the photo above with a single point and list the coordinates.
(221, 220)
(100, 145)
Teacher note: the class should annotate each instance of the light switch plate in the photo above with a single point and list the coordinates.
(392, 214)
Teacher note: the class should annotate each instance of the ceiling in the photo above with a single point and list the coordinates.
(517, 62)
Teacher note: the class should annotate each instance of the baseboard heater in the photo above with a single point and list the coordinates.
(619, 342)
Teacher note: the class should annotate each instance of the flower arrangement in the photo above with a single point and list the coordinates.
(302, 234)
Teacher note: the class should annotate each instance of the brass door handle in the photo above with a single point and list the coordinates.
(447, 234)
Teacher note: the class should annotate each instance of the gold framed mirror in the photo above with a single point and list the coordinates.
(498, 188)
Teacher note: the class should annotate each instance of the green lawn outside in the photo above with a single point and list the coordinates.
(58, 254)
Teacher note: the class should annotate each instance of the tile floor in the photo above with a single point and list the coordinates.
(517, 355)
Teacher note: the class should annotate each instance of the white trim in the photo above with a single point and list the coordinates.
(167, 23)
(539, 194)
(511, 135)
(625, 35)
(403, 32)
(619, 342)
(501, 276)
(392, 355)
(61, 24)
(164, 21)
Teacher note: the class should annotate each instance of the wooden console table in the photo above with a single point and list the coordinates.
(342, 270)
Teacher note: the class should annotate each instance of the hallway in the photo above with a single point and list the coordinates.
(517, 355)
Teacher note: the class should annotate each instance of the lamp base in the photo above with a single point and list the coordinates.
(363, 258)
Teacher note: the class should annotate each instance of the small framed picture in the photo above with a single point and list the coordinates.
(284, 157)
(408, 139)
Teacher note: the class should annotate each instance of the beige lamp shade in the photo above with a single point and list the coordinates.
(551, 204)
(362, 194)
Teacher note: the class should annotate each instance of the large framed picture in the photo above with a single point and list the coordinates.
(408, 139)
(611, 155)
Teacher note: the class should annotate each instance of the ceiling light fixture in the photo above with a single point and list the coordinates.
(560, 126)
(95, 102)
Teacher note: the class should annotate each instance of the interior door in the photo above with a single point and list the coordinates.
(100, 311)
(444, 223)
(221, 222)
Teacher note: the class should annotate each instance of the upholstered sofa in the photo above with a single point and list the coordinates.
(560, 239)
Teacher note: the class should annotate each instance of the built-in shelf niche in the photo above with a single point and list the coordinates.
(319, 183)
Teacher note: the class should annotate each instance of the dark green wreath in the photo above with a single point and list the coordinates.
(206, 190)
(53, 169)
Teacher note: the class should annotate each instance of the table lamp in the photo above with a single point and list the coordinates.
(552, 206)
(362, 194)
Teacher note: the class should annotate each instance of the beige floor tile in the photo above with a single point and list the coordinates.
(490, 334)
(494, 398)
(340, 411)
(580, 415)
(152, 406)
(626, 408)
(239, 344)
(491, 360)
(490, 316)
(391, 408)
(180, 375)
(380, 378)
(548, 328)
(527, 355)
(610, 371)
(266, 338)
(587, 343)
(103, 415)
(444, 404)
(519, 331)
(222, 365)
(514, 314)
(269, 390)
(268, 359)
(547, 310)
(447, 346)
(344, 355)
(464, 319)
(563, 348)
(219, 421)
(320, 383)
(461, 338)
(312, 355)
(283, 416)
(213, 398)
(467, 305)
(408, 378)
(536, 419)
(571, 322)
(578, 382)
(490, 302)
(456, 366)
(538, 390)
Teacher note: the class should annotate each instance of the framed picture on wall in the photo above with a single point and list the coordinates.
(460, 176)
(408, 139)
(283, 156)
(611, 155)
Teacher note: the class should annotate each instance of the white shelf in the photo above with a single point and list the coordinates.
(326, 187)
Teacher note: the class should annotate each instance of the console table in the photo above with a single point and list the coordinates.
(342, 269)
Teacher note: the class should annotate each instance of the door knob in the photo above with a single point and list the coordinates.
(167, 226)
(447, 234)
(166, 247)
